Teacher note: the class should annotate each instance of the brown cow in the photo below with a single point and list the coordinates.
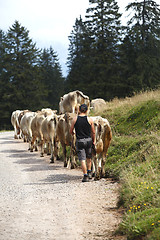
(65, 138)
(48, 129)
(36, 127)
(70, 102)
(103, 140)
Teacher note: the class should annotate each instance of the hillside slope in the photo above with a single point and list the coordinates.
(133, 158)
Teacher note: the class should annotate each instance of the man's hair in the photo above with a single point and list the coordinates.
(83, 108)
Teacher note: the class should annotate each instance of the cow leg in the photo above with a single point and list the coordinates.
(20, 134)
(48, 149)
(52, 151)
(36, 145)
(42, 143)
(24, 139)
(64, 154)
(15, 133)
(103, 168)
(97, 174)
(56, 149)
(32, 144)
(73, 160)
(42, 147)
(30, 139)
(93, 168)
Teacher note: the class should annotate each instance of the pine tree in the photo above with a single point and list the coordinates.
(4, 114)
(105, 26)
(2, 50)
(51, 77)
(21, 58)
(141, 46)
(19, 74)
(79, 59)
(94, 50)
(2, 36)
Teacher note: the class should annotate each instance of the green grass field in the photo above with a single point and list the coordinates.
(134, 159)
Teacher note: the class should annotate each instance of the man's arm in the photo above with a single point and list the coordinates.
(92, 131)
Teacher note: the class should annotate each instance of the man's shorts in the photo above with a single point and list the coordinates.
(84, 148)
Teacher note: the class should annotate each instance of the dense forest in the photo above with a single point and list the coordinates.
(105, 59)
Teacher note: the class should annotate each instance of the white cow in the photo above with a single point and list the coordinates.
(25, 126)
(98, 104)
(15, 123)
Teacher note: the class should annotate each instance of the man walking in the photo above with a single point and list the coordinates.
(85, 137)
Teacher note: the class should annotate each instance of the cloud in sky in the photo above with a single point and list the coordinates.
(49, 22)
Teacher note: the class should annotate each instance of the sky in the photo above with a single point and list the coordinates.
(49, 22)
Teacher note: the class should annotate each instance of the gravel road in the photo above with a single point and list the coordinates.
(43, 201)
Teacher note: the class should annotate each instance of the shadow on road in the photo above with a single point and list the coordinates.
(13, 151)
(58, 179)
(24, 155)
(9, 142)
(32, 162)
(41, 167)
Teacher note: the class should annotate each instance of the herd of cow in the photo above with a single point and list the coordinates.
(47, 130)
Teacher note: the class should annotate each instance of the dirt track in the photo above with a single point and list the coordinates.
(43, 201)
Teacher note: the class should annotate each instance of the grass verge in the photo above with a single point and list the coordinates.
(134, 159)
